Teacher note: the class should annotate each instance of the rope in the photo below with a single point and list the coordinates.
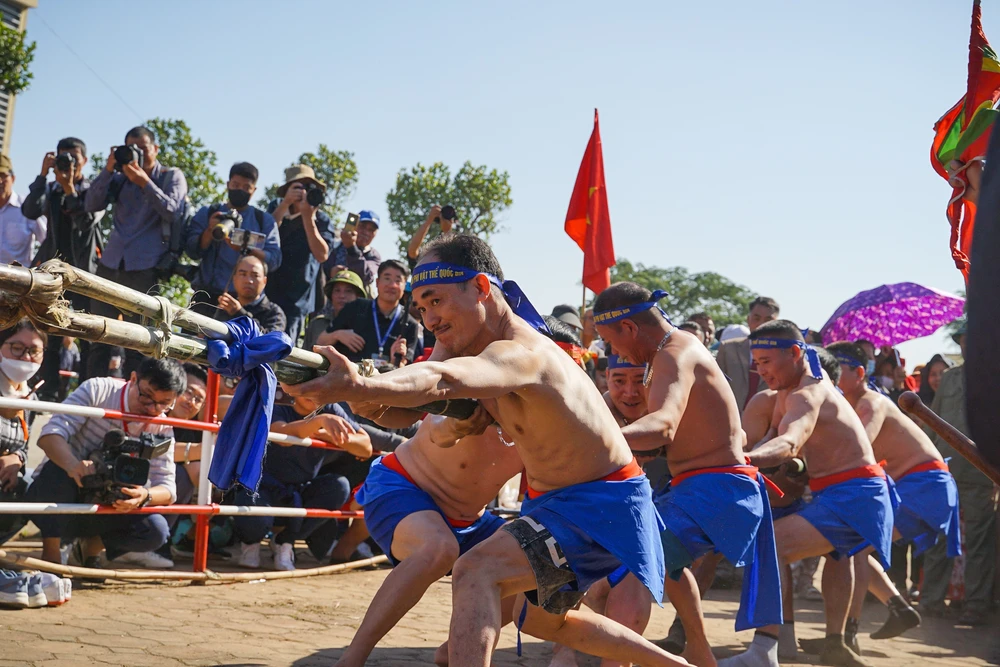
(165, 325)
(29, 563)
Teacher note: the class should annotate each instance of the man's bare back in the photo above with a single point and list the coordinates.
(464, 478)
(838, 441)
(685, 377)
(896, 439)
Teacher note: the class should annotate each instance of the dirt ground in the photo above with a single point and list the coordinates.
(309, 621)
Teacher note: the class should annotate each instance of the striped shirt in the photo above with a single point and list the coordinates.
(85, 435)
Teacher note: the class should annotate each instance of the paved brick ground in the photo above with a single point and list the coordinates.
(308, 622)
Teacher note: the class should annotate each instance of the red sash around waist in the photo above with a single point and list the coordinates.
(627, 471)
(391, 462)
(926, 467)
(817, 484)
(747, 470)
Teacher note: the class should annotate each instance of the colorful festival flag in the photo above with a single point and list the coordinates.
(961, 137)
(588, 221)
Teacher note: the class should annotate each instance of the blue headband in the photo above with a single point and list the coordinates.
(614, 361)
(442, 273)
(815, 369)
(615, 314)
(849, 361)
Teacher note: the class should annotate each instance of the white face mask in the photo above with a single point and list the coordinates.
(18, 370)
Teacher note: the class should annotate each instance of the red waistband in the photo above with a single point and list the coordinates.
(391, 462)
(747, 470)
(817, 484)
(926, 467)
(627, 471)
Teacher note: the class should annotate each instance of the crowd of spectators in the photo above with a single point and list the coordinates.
(287, 267)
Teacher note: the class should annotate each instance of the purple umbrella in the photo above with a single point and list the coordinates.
(892, 314)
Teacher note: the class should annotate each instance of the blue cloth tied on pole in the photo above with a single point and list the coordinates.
(620, 313)
(815, 368)
(443, 273)
(242, 438)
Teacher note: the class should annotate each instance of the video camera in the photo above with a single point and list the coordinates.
(122, 460)
(127, 154)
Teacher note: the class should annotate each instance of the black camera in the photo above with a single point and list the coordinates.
(122, 460)
(127, 154)
(65, 162)
(314, 194)
(448, 213)
(228, 221)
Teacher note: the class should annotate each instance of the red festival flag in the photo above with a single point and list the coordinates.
(588, 221)
(961, 136)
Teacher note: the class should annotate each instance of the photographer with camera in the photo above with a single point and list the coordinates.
(438, 215)
(355, 252)
(129, 465)
(148, 202)
(306, 235)
(222, 233)
(249, 281)
(72, 235)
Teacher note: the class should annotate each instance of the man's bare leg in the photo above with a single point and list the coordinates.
(355, 534)
(686, 598)
(704, 572)
(506, 617)
(788, 649)
(630, 604)
(428, 550)
(596, 600)
(497, 568)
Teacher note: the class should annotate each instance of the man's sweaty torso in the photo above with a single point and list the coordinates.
(899, 442)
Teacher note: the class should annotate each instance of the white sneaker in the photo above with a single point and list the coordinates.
(36, 594)
(284, 557)
(147, 559)
(249, 555)
(67, 586)
(52, 586)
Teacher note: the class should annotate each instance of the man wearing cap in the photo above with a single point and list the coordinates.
(249, 281)
(977, 496)
(341, 289)
(306, 235)
(17, 232)
(355, 252)
(734, 354)
(568, 314)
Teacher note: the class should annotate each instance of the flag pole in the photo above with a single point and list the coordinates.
(583, 308)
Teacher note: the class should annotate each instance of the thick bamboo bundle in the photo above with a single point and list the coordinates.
(38, 294)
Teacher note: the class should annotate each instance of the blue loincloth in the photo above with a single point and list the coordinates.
(716, 511)
(928, 508)
(855, 513)
(787, 510)
(389, 497)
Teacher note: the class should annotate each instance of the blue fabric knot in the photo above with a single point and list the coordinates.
(242, 438)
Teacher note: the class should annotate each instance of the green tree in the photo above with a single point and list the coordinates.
(479, 195)
(15, 58)
(727, 302)
(336, 169)
(180, 149)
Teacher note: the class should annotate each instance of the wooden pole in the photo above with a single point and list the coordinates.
(912, 404)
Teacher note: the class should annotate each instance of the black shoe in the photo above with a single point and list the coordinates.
(676, 639)
(902, 617)
(836, 653)
(815, 646)
(935, 609)
(973, 617)
(851, 636)
(185, 549)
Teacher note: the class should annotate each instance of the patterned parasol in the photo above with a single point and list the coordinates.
(892, 314)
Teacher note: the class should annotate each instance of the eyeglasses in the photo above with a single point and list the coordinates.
(18, 350)
(193, 397)
(150, 401)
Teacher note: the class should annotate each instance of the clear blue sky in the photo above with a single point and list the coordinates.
(782, 144)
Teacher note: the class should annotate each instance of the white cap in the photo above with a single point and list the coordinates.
(734, 331)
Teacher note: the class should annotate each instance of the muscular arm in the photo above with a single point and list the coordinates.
(793, 432)
(668, 398)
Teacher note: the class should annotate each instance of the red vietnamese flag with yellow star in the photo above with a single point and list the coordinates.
(588, 221)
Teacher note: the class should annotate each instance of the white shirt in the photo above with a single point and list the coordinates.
(18, 234)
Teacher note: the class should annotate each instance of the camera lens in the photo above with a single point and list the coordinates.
(314, 195)
(448, 212)
(64, 162)
(124, 154)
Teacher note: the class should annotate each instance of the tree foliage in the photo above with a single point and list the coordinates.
(336, 169)
(479, 195)
(727, 302)
(15, 57)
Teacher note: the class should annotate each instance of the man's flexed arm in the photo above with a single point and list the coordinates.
(667, 400)
(794, 430)
(502, 368)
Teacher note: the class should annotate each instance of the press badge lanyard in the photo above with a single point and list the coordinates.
(378, 330)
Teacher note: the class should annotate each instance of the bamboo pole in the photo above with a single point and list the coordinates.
(911, 403)
(29, 563)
